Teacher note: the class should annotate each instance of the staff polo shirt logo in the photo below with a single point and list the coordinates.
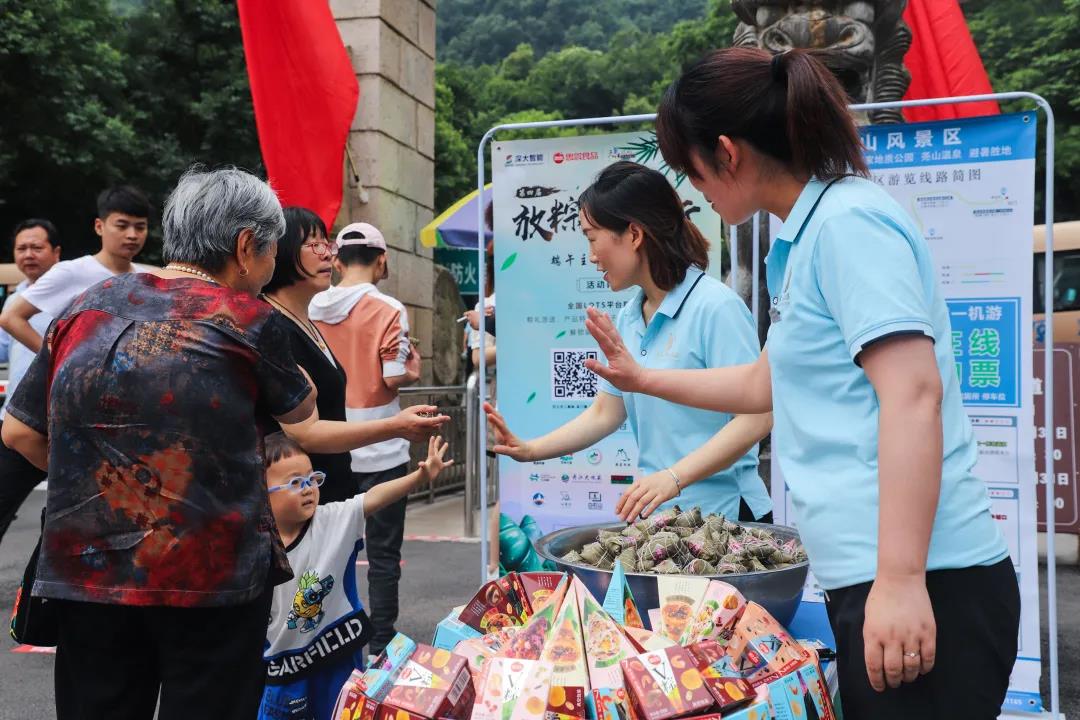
(669, 351)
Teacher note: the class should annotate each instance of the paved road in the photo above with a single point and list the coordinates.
(436, 576)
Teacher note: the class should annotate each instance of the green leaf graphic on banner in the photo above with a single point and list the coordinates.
(509, 261)
(561, 333)
(532, 396)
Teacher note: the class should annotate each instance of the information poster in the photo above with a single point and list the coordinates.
(970, 185)
(544, 283)
(1066, 416)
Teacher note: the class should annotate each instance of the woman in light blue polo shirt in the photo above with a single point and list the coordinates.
(870, 430)
(680, 318)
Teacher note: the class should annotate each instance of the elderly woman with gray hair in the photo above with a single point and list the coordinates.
(147, 403)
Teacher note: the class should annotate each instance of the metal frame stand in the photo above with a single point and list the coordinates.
(1051, 563)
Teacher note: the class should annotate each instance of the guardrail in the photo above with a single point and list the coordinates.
(450, 400)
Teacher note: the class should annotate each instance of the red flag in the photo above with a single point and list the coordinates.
(305, 94)
(943, 62)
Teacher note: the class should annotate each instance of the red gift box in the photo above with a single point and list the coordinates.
(665, 684)
(433, 684)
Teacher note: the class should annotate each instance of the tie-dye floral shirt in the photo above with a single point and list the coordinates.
(155, 395)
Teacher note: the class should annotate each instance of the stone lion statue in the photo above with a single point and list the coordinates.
(868, 40)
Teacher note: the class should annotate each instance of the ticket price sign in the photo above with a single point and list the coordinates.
(1066, 420)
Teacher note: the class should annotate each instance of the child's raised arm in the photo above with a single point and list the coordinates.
(390, 492)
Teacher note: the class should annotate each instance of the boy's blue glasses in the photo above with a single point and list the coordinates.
(300, 482)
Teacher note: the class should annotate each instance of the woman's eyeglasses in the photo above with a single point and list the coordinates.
(322, 248)
(299, 483)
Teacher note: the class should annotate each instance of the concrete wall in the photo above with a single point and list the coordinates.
(392, 142)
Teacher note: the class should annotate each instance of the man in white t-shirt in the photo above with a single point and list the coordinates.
(36, 247)
(122, 223)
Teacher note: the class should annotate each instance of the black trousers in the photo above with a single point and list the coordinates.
(747, 515)
(17, 479)
(977, 613)
(384, 533)
(112, 661)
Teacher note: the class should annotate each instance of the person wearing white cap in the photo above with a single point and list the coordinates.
(368, 332)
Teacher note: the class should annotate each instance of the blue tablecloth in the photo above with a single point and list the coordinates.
(811, 622)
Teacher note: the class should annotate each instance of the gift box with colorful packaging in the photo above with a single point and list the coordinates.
(528, 642)
(665, 684)
(565, 650)
(352, 703)
(451, 631)
(715, 616)
(763, 647)
(800, 695)
(679, 596)
(539, 586)
(434, 683)
(513, 688)
(494, 607)
(477, 651)
(605, 647)
(619, 601)
(379, 678)
(729, 690)
(515, 591)
(759, 709)
(647, 640)
(535, 698)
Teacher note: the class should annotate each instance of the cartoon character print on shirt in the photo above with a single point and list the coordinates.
(311, 591)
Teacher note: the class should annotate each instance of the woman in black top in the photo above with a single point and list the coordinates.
(303, 270)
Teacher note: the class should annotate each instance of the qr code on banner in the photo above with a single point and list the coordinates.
(570, 379)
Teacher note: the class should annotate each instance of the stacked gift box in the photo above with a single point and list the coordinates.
(539, 646)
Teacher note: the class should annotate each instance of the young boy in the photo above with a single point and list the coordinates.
(318, 626)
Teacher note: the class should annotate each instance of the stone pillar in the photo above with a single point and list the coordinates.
(390, 181)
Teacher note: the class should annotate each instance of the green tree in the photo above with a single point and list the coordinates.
(67, 115)
(485, 31)
(99, 92)
(538, 81)
(1035, 46)
(455, 156)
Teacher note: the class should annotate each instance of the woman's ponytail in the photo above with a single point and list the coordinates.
(821, 132)
(694, 245)
(789, 107)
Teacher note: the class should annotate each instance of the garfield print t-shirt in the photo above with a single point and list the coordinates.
(317, 618)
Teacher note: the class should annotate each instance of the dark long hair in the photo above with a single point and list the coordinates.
(626, 192)
(300, 223)
(788, 106)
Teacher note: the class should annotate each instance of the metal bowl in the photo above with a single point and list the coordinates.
(778, 591)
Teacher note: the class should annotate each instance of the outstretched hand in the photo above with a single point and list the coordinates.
(621, 370)
(506, 442)
(416, 422)
(434, 463)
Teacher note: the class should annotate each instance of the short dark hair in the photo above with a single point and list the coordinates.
(51, 233)
(358, 254)
(278, 446)
(300, 224)
(123, 199)
(789, 107)
(626, 192)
